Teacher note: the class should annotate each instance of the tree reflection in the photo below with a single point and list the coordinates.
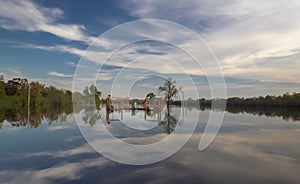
(169, 121)
(287, 113)
(90, 116)
(18, 117)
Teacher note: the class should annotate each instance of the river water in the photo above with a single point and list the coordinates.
(249, 148)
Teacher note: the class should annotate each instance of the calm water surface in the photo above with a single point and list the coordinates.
(250, 148)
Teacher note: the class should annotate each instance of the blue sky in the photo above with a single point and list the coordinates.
(256, 42)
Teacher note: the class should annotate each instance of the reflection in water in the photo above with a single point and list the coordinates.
(169, 122)
(19, 117)
(153, 115)
(256, 150)
(108, 118)
(90, 116)
(286, 113)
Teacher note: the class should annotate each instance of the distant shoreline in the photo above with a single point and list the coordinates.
(14, 92)
(285, 100)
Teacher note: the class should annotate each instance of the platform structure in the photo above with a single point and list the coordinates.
(154, 104)
(152, 113)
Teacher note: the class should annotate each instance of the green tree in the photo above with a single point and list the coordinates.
(2, 86)
(36, 90)
(13, 87)
(94, 91)
(92, 96)
(151, 95)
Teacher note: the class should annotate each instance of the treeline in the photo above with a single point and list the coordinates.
(288, 100)
(90, 97)
(14, 94)
(46, 102)
(285, 100)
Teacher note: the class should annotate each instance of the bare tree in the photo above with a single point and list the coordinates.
(169, 89)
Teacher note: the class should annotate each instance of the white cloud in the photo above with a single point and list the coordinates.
(107, 74)
(29, 16)
(252, 39)
(57, 48)
(70, 63)
(199, 14)
(61, 127)
(83, 149)
(59, 74)
(69, 171)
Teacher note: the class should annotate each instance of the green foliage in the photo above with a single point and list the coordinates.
(14, 95)
(57, 98)
(14, 86)
(282, 100)
(45, 102)
(151, 95)
(91, 96)
(36, 94)
(2, 86)
(94, 91)
(285, 100)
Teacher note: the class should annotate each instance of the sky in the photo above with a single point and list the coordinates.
(256, 44)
